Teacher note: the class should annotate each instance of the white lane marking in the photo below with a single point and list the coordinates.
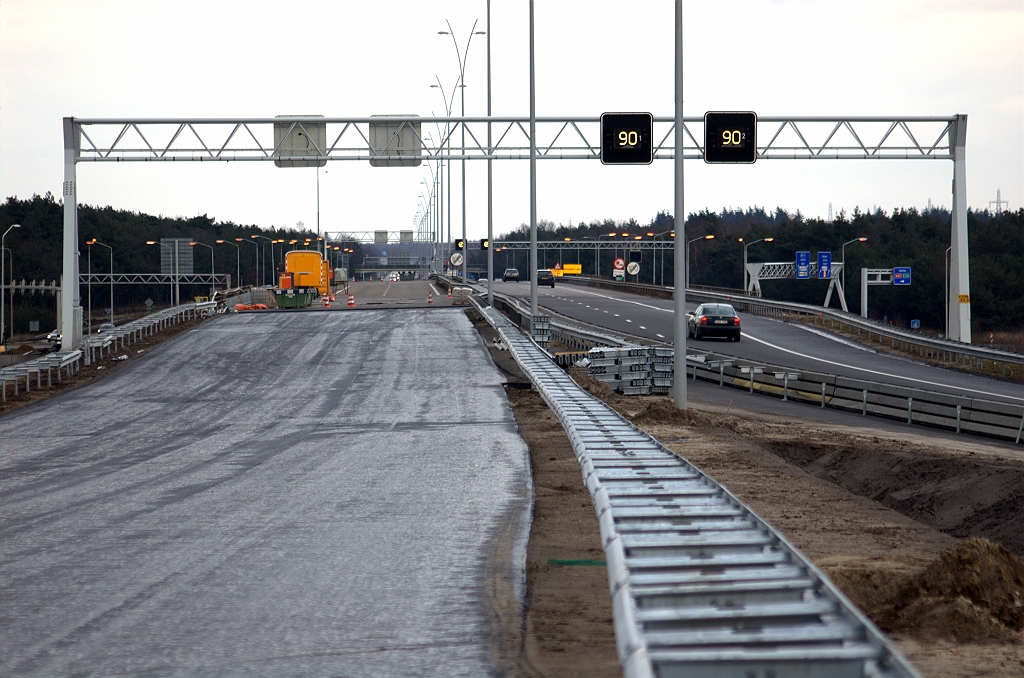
(386, 289)
(822, 360)
(629, 321)
(627, 301)
(616, 315)
(660, 336)
(436, 291)
(884, 374)
(606, 311)
(642, 327)
(834, 338)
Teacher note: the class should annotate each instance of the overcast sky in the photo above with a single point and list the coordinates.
(126, 58)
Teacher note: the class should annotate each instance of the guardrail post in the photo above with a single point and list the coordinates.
(910, 410)
(822, 395)
(864, 404)
(1020, 428)
(958, 408)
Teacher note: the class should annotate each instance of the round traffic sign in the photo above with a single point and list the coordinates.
(633, 268)
(456, 259)
(620, 263)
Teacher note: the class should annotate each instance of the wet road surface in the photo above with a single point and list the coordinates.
(281, 494)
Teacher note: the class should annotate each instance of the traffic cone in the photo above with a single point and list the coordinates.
(430, 299)
(327, 302)
(351, 301)
(449, 292)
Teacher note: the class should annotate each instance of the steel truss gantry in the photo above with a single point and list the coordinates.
(786, 270)
(561, 138)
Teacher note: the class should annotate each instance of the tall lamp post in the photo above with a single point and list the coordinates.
(95, 242)
(273, 262)
(844, 257)
(462, 85)
(703, 237)
(446, 138)
(238, 260)
(213, 273)
(597, 256)
(3, 284)
(174, 278)
(257, 257)
(745, 246)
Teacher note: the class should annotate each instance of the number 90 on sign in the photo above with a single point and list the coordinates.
(730, 137)
(626, 138)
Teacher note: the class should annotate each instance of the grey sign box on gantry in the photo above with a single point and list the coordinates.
(395, 138)
(295, 137)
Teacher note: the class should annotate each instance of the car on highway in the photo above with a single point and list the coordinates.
(714, 320)
(56, 339)
(395, 277)
(510, 274)
(105, 327)
(545, 277)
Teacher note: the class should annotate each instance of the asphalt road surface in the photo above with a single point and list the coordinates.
(765, 340)
(275, 494)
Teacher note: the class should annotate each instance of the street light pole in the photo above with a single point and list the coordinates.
(490, 209)
(3, 284)
(844, 258)
(213, 273)
(161, 244)
(533, 177)
(238, 260)
(94, 242)
(679, 323)
(703, 237)
(745, 246)
(257, 257)
(462, 85)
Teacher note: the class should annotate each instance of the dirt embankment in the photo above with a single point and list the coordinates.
(567, 626)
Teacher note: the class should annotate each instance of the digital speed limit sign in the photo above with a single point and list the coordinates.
(626, 139)
(730, 137)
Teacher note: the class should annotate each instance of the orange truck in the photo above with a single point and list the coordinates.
(305, 270)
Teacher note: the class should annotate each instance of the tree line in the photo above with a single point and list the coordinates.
(37, 253)
(902, 237)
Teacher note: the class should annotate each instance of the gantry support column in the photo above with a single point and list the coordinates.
(959, 268)
(70, 298)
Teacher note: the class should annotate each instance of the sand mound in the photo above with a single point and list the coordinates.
(974, 591)
(662, 411)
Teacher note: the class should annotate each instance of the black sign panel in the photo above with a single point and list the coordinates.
(730, 137)
(626, 139)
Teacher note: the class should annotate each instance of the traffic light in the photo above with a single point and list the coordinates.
(484, 243)
(460, 244)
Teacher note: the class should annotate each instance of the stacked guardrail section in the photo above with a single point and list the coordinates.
(635, 370)
(700, 585)
(94, 345)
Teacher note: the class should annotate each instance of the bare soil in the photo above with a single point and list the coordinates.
(99, 369)
(881, 515)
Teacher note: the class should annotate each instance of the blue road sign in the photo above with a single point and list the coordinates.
(915, 324)
(803, 265)
(824, 265)
(901, 275)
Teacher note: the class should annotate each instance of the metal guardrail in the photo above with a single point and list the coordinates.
(60, 361)
(912, 405)
(960, 414)
(943, 350)
(123, 335)
(700, 585)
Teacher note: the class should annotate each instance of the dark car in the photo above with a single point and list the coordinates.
(714, 320)
(545, 277)
(510, 274)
